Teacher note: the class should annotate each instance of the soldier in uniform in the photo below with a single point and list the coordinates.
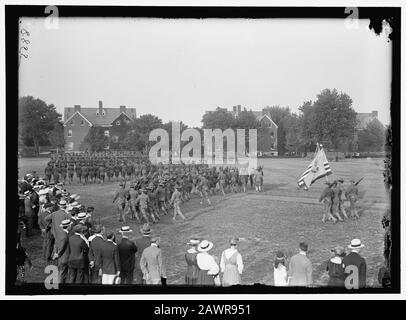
(63, 172)
(351, 193)
(142, 201)
(85, 173)
(176, 200)
(133, 203)
(48, 171)
(71, 171)
(102, 173)
(78, 168)
(119, 200)
(56, 172)
(327, 198)
(116, 170)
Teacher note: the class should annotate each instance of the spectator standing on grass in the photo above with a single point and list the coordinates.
(63, 253)
(300, 268)
(126, 250)
(191, 260)
(209, 269)
(96, 242)
(141, 243)
(335, 268)
(231, 264)
(280, 274)
(78, 251)
(358, 263)
(109, 260)
(151, 263)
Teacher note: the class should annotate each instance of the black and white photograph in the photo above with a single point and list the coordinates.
(202, 150)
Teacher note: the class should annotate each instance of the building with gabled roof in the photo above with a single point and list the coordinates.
(78, 120)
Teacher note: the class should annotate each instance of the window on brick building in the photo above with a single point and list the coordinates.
(107, 133)
(70, 133)
(82, 123)
(70, 145)
(118, 122)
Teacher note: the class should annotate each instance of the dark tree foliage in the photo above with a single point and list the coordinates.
(372, 137)
(96, 140)
(36, 120)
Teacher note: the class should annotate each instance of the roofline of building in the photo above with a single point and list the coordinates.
(77, 112)
(265, 115)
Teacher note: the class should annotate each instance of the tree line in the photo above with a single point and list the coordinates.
(330, 120)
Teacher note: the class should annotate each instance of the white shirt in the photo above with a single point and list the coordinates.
(207, 262)
(94, 236)
(280, 276)
(228, 253)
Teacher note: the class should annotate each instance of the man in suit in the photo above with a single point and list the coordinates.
(151, 263)
(300, 268)
(127, 250)
(141, 243)
(109, 260)
(63, 254)
(78, 258)
(353, 262)
(55, 219)
(96, 242)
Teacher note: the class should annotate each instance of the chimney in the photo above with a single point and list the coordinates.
(100, 107)
(76, 108)
(122, 109)
(374, 113)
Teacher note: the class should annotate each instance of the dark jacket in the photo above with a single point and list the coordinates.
(64, 251)
(127, 250)
(354, 259)
(110, 260)
(78, 252)
(96, 246)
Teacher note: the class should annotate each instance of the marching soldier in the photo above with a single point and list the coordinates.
(119, 200)
(327, 198)
(351, 193)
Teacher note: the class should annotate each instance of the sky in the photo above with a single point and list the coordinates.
(177, 69)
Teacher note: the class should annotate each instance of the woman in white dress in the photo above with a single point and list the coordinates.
(280, 274)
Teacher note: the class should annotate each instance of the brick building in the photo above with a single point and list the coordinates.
(78, 120)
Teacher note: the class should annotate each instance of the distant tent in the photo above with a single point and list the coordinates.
(318, 168)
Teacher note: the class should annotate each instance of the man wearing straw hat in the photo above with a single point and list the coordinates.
(151, 263)
(96, 242)
(126, 250)
(353, 262)
(63, 253)
(141, 243)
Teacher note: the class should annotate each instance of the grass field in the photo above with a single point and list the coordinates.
(276, 219)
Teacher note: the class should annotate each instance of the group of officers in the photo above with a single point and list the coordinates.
(333, 197)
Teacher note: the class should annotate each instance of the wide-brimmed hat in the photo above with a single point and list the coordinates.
(234, 241)
(121, 184)
(74, 204)
(356, 244)
(65, 223)
(194, 241)
(78, 228)
(26, 193)
(125, 229)
(154, 238)
(42, 192)
(205, 246)
(82, 215)
(145, 229)
(62, 203)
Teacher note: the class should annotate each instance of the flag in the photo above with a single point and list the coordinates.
(317, 169)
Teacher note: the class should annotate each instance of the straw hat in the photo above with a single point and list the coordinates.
(356, 244)
(205, 246)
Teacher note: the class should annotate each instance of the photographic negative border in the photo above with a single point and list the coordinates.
(12, 13)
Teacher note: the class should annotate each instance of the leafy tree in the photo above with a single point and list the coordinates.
(56, 136)
(293, 142)
(36, 121)
(138, 137)
(95, 139)
(372, 137)
(219, 119)
(334, 119)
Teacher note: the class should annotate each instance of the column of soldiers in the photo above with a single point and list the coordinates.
(333, 197)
